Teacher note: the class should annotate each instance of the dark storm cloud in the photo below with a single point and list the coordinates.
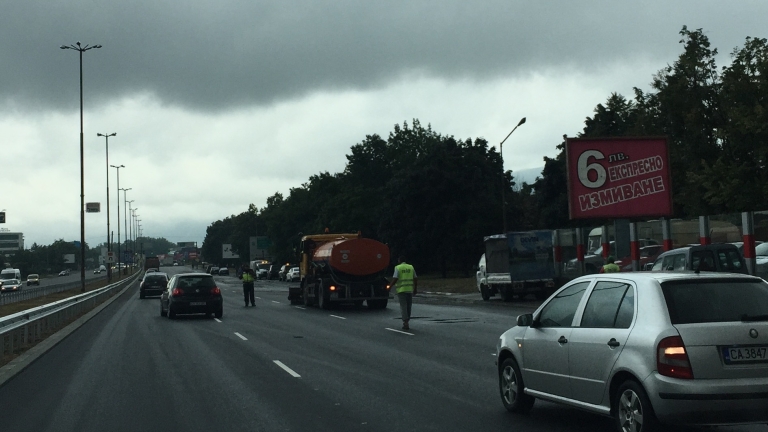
(212, 55)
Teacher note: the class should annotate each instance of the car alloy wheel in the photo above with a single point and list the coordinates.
(633, 409)
(512, 388)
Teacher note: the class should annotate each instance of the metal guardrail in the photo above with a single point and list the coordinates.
(27, 293)
(25, 328)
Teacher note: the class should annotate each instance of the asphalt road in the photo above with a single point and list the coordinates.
(277, 367)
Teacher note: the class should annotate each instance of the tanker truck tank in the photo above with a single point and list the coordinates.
(342, 268)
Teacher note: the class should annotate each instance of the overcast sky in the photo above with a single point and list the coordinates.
(218, 104)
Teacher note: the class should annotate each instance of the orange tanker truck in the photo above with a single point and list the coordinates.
(342, 268)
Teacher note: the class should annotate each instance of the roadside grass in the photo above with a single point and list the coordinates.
(452, 284)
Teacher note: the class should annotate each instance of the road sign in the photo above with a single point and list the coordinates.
(2, 217)
(92, 207)
(110, 257)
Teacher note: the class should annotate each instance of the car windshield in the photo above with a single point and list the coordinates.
(715, 300)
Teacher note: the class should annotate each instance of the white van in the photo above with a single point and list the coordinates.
(10, 273)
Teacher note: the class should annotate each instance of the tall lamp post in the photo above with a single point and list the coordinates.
(125, 222)
(109, 243)
(135, 231)
(81, 49)
(130, 231)
(503, 182)
(118, 214)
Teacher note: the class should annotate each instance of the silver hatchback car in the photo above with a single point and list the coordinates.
(646, 348)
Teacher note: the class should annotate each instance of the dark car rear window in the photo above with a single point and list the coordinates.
(156, 279)
(196, 282)
(715, 300)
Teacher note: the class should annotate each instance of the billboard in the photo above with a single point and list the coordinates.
(618, 177)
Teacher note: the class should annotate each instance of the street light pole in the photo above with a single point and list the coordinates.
(81, 49)
(130, 231)
(125, 208)
(503, 182)
(109, 243)
(118, 215)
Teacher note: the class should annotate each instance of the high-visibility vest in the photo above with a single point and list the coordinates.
(247, 277)
(405, 273)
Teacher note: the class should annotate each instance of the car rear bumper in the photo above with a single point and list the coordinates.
(708, 402)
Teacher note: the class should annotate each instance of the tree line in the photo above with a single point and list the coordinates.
(433, 197)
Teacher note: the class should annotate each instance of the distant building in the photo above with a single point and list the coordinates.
(11, 242)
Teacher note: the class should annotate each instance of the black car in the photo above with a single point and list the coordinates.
(190, 293)
(153, 283)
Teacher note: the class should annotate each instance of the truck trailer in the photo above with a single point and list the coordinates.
(339, 268)
(517, 264)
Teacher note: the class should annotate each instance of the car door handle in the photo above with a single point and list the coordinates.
(562, 340)
(613, 343)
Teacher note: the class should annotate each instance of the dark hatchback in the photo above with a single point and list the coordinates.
(153, 283)
(191, 293)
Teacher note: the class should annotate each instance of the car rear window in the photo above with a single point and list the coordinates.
(156, 279)
(715, 300)
(196, 282)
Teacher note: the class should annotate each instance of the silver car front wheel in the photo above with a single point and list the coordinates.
(512, 388)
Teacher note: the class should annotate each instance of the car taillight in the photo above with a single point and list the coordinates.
(333, 288)
(176, 292)
(672, 358)
(216, 291)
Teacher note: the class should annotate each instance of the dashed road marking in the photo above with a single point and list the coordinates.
(287, 369)
(217, 320)
(275, 301)
(241, 336)
(398, 331)
(258, 298)
(300, 307)
(339, 317)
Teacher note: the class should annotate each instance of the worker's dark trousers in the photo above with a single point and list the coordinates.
(406, 299)
(248, 293)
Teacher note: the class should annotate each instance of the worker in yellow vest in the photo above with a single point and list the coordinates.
(610, 267)
(248, 277)
(404, 281)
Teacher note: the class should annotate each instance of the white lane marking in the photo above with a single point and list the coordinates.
(258, 298)
(241, 336)
(299, 307)
(217, 320)
(275, 301)
(287, 369)
(336, 316)
(398, 331)
(493, 355)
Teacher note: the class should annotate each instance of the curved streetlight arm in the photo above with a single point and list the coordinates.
(503, 183)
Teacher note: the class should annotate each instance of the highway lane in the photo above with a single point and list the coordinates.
(128, 369)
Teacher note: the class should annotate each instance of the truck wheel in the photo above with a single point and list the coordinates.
(484, 292)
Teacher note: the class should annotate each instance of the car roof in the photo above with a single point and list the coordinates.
(666, 276)
(713, 246)
(194, 274)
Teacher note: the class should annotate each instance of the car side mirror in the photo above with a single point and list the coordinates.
(525, 320)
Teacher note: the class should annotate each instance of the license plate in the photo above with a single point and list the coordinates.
(745, 354)
(197, 303)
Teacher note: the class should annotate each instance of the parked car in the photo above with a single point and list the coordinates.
(719, 257)
(64, 272)
(11, 285)
(293, 274)
(646, 348)
(33, 279)
(189, 293)
(283, 272)
(214, 270)
(761, 260)
(224, 271)
(263, 271)
(153, 283)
